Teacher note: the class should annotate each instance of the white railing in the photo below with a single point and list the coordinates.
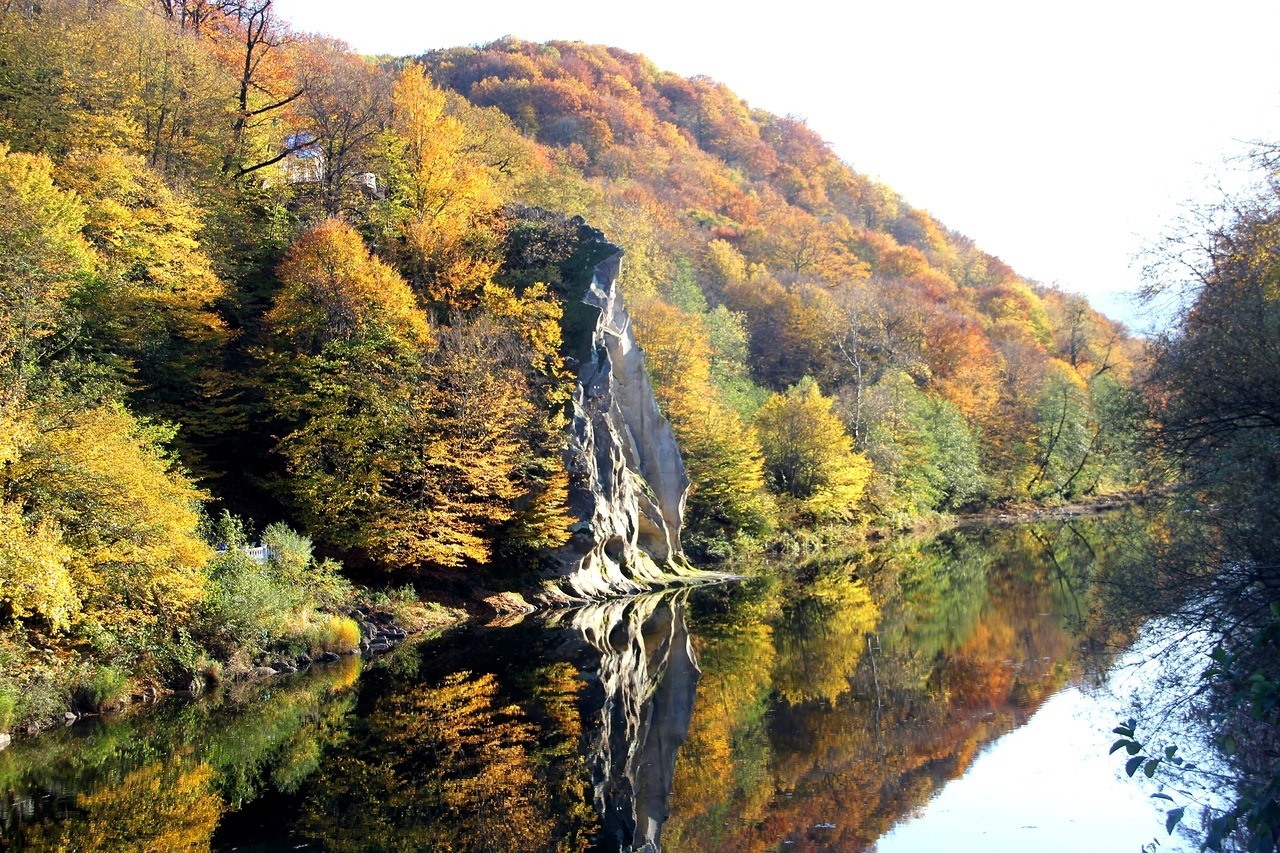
(260, 554)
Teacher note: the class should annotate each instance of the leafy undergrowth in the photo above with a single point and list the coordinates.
(277, 609)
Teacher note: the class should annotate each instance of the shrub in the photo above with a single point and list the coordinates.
(272, 606)
(327, 586)
(336, 634)
(42, 700)
(290, 554)
(8, 706)
(105, 687)
(247, 606)
(404, 595)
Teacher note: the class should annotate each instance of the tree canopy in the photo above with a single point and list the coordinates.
(245, 269)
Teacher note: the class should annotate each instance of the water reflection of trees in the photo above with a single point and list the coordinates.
(835, 697)
(425, 755)
(820, 637)
(1209, 627)
(163, 780)
(839, 696)
(155, 808)
(452, 765)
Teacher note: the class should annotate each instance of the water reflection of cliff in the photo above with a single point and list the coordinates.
(490, 744)
(644, 686)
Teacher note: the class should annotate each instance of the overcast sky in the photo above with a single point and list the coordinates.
(1059, 137)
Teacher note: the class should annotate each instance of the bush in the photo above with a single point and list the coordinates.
(42, 700)
(273, 607)
(247, 606)
(404, 595)
(313, 633)
(326, 585)
(8, 706)
(290, 554)
(335, 634)
(105, 687)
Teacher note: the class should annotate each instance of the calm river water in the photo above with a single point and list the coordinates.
(938, 694)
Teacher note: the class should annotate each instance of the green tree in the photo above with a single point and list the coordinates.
(925, 456)
(808, 455)
(1065, 429)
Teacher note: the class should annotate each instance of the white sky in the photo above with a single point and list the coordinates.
(1059, 137)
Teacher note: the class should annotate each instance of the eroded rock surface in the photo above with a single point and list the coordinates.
(627, 480)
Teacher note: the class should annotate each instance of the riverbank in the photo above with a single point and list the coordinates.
(1022, 514)
(379, 623)
(385, 619)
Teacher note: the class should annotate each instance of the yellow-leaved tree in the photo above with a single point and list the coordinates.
(720, 450)
(43, 259)
(821, 637)
(808, 455)
(34, 576)
(441, 208)
(104, 527)
(334, 291)
(533, 345)
(346, 343)
(151, 310)
(163, 807)
(97, 522)
(416, 444)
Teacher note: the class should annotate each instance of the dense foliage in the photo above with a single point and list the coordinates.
(1213, 390)
(245, 268)
(775, 262)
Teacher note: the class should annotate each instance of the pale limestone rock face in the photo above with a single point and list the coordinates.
(627, 480)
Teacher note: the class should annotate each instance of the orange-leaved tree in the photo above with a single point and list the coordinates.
(417, 444)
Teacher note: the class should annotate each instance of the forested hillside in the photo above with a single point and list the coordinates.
(245, 269)
(757, 260)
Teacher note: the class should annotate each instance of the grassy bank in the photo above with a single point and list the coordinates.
(266, 609)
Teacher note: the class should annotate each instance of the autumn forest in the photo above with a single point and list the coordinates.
(256, 287)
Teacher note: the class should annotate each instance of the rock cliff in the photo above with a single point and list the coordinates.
(627, 480)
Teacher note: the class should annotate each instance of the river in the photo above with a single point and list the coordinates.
(954, 692)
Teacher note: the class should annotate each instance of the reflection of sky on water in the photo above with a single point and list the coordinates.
(1050, 785)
